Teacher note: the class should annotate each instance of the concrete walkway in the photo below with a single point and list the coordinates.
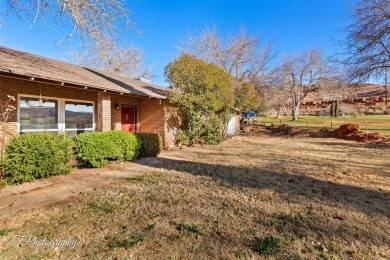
(58, 188)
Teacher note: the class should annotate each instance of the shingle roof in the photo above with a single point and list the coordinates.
(27, 64)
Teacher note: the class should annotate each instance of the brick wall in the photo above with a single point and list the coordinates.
(7, 131)
(15, 87)
(103, 111)
(151, 116)
(173, 118)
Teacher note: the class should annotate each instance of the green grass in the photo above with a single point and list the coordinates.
(269, 246)
(126, 243)
(194, 228)
(241, 254)
(5, 231)
(107, 207)
(376, 123)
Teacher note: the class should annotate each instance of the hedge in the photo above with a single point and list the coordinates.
(43, 154)
(96, 149)
(37, 155)
(151, 144)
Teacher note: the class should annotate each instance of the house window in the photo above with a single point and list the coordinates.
(38, 115)
(55, 115)
(78, 117)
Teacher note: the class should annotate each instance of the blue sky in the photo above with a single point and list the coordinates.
(292, 25)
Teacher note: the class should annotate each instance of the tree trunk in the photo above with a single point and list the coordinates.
(296, 101)
(295, 112)
(280, 111)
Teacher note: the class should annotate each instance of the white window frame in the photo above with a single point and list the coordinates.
(61, 114)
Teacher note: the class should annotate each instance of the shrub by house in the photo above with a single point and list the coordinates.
(38, 155)
(151, 145)
(200, 90)
(96, 149)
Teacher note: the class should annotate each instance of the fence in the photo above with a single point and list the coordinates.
(370, 126)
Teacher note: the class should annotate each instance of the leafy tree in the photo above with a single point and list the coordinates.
(242, 55)
(202, 91)
(247, 98)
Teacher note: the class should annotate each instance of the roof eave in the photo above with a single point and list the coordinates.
(67, 83)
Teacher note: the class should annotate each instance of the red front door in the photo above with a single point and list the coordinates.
(128, 119)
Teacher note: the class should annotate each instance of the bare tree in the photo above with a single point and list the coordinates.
(91, 19)
(368, 41)
(241, 55)
(277, 96)
(112, 57)
(305, 73)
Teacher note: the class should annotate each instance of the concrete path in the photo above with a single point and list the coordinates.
(58, 188)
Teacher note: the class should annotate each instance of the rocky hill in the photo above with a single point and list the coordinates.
(353, 99)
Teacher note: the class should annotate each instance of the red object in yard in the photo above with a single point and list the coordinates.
(344, 130)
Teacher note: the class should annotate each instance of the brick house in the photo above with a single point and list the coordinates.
(57, 96)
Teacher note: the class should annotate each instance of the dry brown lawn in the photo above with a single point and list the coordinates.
(317, 198)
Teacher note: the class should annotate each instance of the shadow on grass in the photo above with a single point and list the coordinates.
(371, 202)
